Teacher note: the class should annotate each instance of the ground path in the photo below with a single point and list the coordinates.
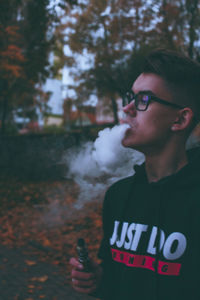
(38, 233)
(23, 277)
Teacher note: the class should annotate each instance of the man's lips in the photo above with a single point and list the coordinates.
(126, 122)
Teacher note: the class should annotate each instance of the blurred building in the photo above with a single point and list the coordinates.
(87, 115)
(78, 117)
(53, 119)
(104, 111)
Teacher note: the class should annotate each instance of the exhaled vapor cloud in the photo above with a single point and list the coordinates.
(96, 165)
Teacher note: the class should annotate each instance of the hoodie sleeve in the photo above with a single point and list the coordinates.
(104, 250)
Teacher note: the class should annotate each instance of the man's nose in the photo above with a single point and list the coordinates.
(130, 109)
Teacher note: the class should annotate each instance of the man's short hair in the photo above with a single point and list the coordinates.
(181, 74)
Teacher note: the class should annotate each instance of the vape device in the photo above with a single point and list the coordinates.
(83, 257)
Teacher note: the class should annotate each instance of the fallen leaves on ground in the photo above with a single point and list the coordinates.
(40, 279)
(30, 262)
(42, 216)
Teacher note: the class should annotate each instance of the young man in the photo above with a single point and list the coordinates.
(151, 220)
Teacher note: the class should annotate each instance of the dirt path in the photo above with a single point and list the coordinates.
(39, 228)
(23, 277)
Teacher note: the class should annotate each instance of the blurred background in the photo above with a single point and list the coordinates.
(65, 66)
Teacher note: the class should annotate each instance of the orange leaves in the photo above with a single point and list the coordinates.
(42, 217)
(12, 31)
(30, 262)
(11, 59)
(11, 53)
(11, 71)
(40, 279)
(33, 287)
(46, 242)
(98, 222)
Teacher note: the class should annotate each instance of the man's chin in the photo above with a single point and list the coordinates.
(126, 143)
(130, 144)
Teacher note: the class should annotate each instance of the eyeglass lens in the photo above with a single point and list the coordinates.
(141, 100)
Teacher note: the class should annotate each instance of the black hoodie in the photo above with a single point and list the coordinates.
(151, 244)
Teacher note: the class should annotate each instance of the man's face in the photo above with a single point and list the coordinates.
(151, 129)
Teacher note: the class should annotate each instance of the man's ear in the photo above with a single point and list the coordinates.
(183, 120)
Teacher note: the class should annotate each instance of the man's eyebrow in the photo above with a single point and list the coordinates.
(145, 92)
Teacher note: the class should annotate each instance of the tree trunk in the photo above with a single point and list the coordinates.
(3, 120)
(115, 110)
(80, 116)
(4, 97)
(192, 8)
(166, 23)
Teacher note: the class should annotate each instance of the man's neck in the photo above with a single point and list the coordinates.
(165, 163)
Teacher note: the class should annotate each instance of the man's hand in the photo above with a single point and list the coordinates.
(85, 282)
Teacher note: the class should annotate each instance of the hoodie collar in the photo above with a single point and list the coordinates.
(186, 176)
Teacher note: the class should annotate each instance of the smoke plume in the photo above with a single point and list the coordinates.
(96, 165)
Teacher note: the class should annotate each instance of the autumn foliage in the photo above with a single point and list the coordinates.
(24, 51)
(11, 57)
(41, 217)
(116, 35)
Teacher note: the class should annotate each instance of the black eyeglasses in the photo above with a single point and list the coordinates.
(143, 99)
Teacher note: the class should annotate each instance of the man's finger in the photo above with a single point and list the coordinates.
(75, 263)
(81, 275)
(84, 290)
(83, 283)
